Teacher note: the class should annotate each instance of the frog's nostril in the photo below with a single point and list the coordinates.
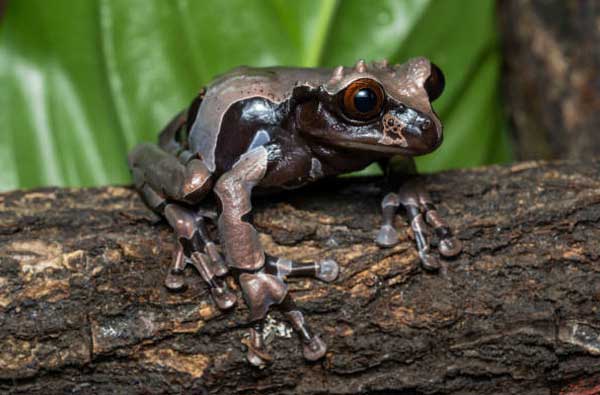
(424, 123)
(401, 108)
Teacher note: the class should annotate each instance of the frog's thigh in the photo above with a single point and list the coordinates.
(234, 189)
(162, 173)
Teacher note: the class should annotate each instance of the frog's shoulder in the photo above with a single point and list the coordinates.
(275, 84)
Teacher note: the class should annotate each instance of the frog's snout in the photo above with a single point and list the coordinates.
(410, 129)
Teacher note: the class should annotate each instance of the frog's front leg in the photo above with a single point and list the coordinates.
(239, 239)
(421, 213)
(262, 278)
(267, 287)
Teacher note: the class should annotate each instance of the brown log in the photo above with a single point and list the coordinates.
(83, 309)
(551, 78)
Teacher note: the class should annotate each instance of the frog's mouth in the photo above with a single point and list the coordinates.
(376, 147)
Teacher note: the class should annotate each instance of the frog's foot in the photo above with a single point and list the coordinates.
(326, 270)
(195, 247)
(257, 354)
(421, 214)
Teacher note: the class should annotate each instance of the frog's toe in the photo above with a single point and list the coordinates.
(328, 271)
(387, 236)
(175, 281)
(315, 349)
(429, 262)
(257, 354)
(450, 246)
(255, 360)
(224, 298)
(258, 358)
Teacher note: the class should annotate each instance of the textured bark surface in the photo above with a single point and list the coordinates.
(83, 309)
(552, 83)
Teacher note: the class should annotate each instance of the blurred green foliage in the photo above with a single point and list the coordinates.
(84, 81)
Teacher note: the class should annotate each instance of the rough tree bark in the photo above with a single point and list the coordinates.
(551, 78)
(83, 309)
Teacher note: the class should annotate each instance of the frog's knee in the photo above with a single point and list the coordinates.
(197, 182)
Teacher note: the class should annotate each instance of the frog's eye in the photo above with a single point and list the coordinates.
(435, 83)
(363, 99)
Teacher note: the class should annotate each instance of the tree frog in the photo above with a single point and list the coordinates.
(267, 129)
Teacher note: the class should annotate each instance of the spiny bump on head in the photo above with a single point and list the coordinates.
(361, 66)
(381, 64)
(338, 74)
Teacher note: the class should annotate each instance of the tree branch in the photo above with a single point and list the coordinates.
(83, 309)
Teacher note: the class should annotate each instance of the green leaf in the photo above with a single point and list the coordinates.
(84, 81)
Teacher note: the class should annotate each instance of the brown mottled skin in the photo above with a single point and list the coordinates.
(279, 128)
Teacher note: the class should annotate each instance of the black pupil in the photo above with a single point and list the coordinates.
(365, 100)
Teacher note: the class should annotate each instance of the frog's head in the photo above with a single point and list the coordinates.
(378, 107)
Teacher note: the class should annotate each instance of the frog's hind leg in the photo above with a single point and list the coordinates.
(194, 246)
(261, 283)
(164, 182)
(168, 176)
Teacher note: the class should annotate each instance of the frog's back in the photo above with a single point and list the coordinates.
(274, 84)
